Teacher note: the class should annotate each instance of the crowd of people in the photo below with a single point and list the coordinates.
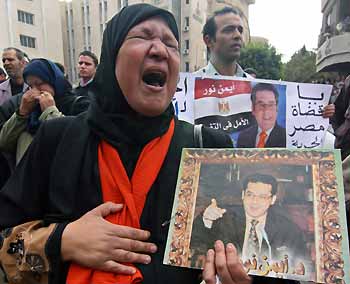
(88, 174)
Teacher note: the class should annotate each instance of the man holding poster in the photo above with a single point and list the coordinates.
(222, 34)
(266, 132)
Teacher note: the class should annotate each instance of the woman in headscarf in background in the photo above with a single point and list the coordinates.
(48, 97)
(119, 161)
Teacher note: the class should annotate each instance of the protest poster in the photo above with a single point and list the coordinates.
(288, 114)
(283, 209)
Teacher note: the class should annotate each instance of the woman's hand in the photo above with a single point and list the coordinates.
(28, 102)
(226, 264)
(96, 243)
(45, 100)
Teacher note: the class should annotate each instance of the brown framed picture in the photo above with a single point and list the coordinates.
(284, 210)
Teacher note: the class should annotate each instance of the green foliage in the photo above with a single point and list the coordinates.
(263, 58)
(301, 67)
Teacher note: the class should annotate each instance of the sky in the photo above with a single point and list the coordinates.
(287, 24)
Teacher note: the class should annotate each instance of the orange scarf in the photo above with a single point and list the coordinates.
(116, 187)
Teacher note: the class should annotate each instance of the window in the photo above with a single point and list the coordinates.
(27, 41)
(187, 1)
(187, 67)
(89, 36)
(106, 11)
(88, 15)
(83, 15)
(187, 44)
(25, 17)
(100, 12)
(103, 8)
(329, 19)
(187, 21)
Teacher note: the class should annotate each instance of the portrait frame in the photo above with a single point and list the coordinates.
(332, 251)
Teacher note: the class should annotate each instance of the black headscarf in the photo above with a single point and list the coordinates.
(110, 116)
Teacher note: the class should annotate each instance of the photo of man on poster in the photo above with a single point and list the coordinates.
(266, 132)
(256, 228)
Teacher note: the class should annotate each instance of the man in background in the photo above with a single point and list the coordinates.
(87, 66)
(14, 61)
(222, 34)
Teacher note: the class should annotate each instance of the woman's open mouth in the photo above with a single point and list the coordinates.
(154, 78)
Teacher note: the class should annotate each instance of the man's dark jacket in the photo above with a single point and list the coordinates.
(82, 90)
(55, 152)
(247, 138)
(283, 235)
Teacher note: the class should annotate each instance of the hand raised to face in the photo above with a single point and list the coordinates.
(29, 101)
(45, 100)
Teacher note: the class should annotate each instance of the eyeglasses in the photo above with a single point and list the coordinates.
(250, 195)
(262, 106)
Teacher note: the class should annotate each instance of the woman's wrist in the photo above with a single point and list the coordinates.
(66, 252)
(20, 114)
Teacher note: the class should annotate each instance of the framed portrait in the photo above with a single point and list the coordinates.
(283, 210)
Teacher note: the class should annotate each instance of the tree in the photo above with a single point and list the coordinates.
(263, 58)
(301, 67)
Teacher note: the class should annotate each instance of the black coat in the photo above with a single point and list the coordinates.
(247, 138)
(38, 190)
(342, 105)
(82, 91)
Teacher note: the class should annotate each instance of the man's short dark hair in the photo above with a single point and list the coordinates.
(263, 87)
(210, 25)
(91, 55)
(19, 53)
(262, 178)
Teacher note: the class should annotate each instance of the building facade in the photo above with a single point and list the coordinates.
(33, 26)
(334, 40)
(83, 22)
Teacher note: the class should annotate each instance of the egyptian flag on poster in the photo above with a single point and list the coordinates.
(223, 104)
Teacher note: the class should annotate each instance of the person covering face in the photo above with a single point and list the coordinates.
(44, 80)
(47, 97)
